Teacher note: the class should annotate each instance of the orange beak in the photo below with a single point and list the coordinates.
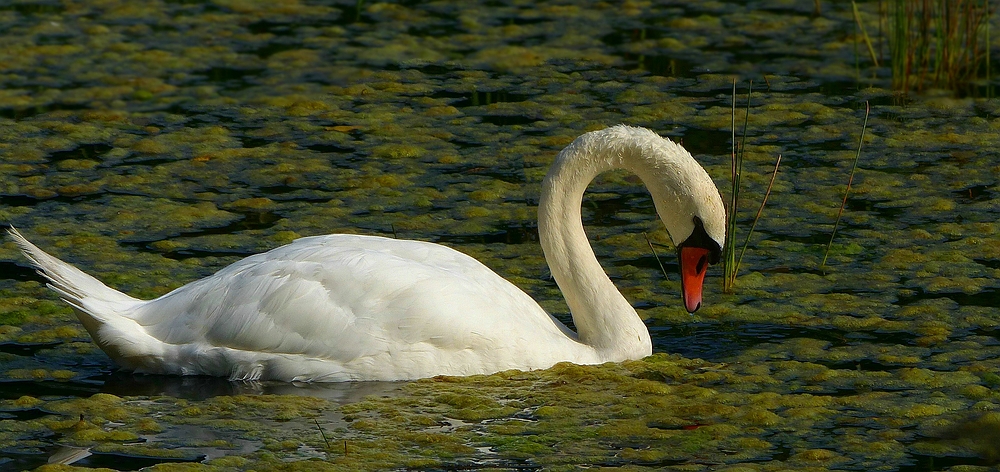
(694, 264)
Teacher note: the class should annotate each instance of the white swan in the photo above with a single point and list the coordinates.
(345, 307)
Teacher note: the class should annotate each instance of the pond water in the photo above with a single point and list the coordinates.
(152, 143)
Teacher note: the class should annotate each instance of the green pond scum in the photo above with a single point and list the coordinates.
(151, 143)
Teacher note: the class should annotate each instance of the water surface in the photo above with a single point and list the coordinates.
(152, 144)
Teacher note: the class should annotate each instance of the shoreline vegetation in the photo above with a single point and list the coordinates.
(943, 44)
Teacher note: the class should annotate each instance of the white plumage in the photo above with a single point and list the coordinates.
(347, 307)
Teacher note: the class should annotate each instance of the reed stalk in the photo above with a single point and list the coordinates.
(322, 433)
(847, 191)
(938, 43)
(864, 33)
(736, 163)
(655, 256)
(760, 211)
(730, 260)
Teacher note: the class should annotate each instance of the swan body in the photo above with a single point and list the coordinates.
(347, 307)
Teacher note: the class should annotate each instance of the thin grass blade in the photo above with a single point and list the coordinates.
(655, 256)
(760, 211)
(850, 180)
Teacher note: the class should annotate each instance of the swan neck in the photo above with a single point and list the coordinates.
(604, 319)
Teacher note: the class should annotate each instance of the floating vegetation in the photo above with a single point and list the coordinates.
(153, 143)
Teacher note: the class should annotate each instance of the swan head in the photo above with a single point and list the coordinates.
(691, 208)
(686, 198)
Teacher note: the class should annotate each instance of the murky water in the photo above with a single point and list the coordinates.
(153, 143)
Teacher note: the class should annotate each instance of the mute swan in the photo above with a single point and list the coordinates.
(346, 307)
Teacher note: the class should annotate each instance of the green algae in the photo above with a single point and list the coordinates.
(153, 144)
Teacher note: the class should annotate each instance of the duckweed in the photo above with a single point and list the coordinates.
(151, 158)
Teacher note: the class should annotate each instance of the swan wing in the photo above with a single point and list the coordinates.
(355, 299)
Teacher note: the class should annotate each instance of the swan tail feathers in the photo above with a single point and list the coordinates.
(79, 290)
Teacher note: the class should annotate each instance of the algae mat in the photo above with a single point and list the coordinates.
(151, 143)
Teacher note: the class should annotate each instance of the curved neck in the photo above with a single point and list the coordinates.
(603, 317)
(682, 192)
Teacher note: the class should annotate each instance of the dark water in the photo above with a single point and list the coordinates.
(153, 144)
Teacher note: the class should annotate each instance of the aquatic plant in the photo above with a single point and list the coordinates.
(940, 43)
(323, 434)
(864, 33)
(730, 262)
(847, 191)
(306, 123)
(736, 169)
